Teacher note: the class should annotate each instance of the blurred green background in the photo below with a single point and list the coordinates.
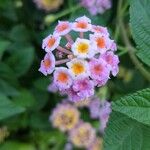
(25, 104)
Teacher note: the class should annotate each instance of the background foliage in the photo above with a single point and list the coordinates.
(25, 104)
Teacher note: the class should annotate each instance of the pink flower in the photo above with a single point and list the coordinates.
(82, 135)
(106, 4)
(112, 61)
(50, 43)
(78, 68)
(48, 64)
(63, 28)
(84, 87)
(113, 46)
(99, 69)
(82, 24)
(52, 88)
(83, 48)
(100, 29)
(103, 42)
(94, 107)
(101, 82)
(62, 78)
(96, 6)
(72, 95)
(65, 117)
(81, 63)
(105, 111)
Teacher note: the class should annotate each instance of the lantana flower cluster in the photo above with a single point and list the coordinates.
(96, 6)
(66, 117)
(48, 5)
(82, 63)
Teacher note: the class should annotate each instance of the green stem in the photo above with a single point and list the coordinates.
(68, 11)
(121, 48)
(122, 53)
(51, 17)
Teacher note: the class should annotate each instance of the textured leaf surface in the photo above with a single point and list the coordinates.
(8, 108)
(123, 133)
(140, 26)
(136, 106)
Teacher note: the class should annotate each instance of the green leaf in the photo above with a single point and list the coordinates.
(53, 140)
(3, 46)
(14, 145)
(41, 98)
(8, 108)
(123, 133)
(136, 106)
(21, 60)
(140, 26)
(39, 120)
(8, 74)
(25, 99)
(7, 89)
(39, 89)
(41, 83)
(10, 14)
(23, 35)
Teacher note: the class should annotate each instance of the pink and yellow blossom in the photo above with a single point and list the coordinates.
(65, 117)
(47, 64)
(96, 6)
(112, 61)
(84, 87)
(83, 48)
(83, 135)
(63, 28)
(51, 42)
(82, 24)
(62, 78)
(78, 68)
(83, 62)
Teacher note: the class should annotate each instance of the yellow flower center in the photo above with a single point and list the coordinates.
(50, 4)
(68, 119)
(81, 138)
(83, 47)
(78, 68)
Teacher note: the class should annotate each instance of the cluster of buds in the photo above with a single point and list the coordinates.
(83, 62)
